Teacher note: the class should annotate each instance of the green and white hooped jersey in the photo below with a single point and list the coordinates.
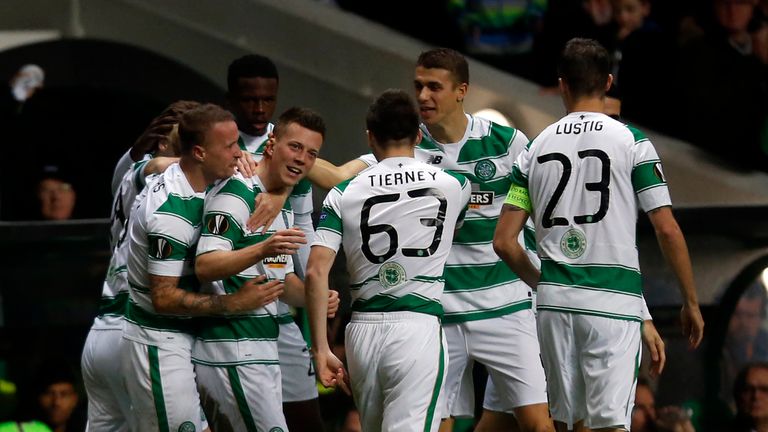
(132, 183)
(478, 284)
(584, 176)
(300, 197)
(163, 234)
(395, 220)
(251, 337)
(114, 292)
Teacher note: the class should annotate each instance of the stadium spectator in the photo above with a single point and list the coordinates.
(750, 391)
(56, 194)
(722, 82)
(641, 56)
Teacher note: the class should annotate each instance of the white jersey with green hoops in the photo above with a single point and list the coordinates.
(478, 285)
(300, 197)
(247, 338)
(163, 234)
(395, 220)
(114, 292)
(585, 176)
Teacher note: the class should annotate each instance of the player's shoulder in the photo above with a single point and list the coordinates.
(481, 128)
(234, 185)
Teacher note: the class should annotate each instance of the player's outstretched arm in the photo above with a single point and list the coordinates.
(329, 368)
(675, 250)
(168, 298)
(158, 164)
(327, 175)
(220, 264)
(511, 222)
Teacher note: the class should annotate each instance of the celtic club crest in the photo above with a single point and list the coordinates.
(573, 243)
(391, 274)
(485, 169)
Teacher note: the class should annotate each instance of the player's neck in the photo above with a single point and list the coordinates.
(194, 173)
(269, 178)
(451, 129)
(391, 152)
(591, 104)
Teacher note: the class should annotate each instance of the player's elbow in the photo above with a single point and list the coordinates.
(163, 302)
(502, 246)
(668, 231)
(204, 269)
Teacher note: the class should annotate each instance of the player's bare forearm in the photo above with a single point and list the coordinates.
(158, 164)
(675, 251)
(220, 264)
(316, 291)
(505, 244)
(168, 298)
(294, 291)
(327, 175)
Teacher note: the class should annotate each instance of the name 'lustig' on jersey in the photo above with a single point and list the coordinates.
(577, 128)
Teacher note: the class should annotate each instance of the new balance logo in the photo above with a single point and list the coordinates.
(435, 160)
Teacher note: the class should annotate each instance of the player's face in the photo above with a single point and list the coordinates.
(57, 199)
(221, 151)
(294, 153)
(438, 94)
(254, 104)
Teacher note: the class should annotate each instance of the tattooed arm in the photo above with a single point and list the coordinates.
(168, 298)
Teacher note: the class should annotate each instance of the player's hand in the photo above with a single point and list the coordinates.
(652, 340)
(330, 370)
(333, 303)
(284, 242)
(256, 293)
(268, 206)
(247, 165)
(693, 325)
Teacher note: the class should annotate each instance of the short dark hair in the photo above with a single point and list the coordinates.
(160, 127)
(584, 66)
(392, 116)
(250, 66)
(448, 59)
(304, 117)
(196, 122)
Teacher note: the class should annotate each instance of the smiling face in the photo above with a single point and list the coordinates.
(253, 103)
(292, 154)
(438, 94)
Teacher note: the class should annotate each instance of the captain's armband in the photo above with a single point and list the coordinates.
(518, 197)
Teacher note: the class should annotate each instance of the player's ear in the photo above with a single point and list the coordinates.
(199, 153)
(608, 82)
(269, 148)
